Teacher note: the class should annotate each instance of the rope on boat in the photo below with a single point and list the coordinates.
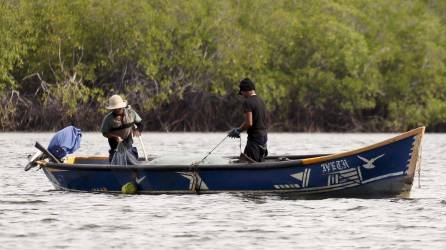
(419, 166)
(196, 181)
(210, 152)
(240, 144)
(419, 177)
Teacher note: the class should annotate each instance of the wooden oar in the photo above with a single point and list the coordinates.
(39, 156)
(45, 151)
(142, 146)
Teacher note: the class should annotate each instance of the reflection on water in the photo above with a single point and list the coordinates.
(33, 215)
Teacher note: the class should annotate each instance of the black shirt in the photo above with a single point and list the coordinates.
(259, 125)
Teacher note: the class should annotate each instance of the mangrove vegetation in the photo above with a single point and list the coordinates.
(324, 65)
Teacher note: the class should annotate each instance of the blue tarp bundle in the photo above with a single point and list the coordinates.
(65, 141)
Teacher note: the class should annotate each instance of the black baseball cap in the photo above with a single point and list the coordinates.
(246, 85)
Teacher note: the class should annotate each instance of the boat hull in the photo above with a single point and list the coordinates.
(392, 186)
(382, 169)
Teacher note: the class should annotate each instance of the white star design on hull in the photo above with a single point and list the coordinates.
(192, 178)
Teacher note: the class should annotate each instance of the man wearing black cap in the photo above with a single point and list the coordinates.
(254, 124)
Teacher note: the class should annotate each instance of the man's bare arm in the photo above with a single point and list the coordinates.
(247, 123)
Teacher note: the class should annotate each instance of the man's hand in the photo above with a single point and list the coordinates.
(119, 139)
(136, 133)
(234, 133)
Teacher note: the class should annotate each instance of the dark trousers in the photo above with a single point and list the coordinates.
(256, 151)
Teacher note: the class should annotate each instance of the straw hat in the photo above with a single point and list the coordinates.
(116, 102)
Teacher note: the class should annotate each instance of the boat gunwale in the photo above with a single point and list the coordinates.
(245, 166)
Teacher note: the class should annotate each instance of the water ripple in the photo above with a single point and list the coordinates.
(88, 227)
(22, 202)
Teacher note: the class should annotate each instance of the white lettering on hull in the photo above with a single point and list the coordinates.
(334, 166)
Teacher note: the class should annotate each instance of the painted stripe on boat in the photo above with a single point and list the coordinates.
(308, 177)
(383, 176)
(359, 174)
(349, 174)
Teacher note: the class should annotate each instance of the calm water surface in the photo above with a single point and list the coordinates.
(33, 215)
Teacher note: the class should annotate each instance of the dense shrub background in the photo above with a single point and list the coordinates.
(325, 65)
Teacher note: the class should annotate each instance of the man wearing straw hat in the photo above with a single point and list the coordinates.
(119, 125)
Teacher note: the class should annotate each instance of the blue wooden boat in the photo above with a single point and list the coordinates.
(386, 168)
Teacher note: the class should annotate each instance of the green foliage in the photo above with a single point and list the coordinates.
(11, 48)
(319, 65)
(71, 97)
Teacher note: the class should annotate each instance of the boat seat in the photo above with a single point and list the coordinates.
(86, 160)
